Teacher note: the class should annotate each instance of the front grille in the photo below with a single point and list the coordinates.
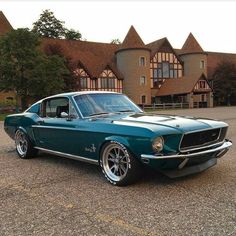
(202, 138)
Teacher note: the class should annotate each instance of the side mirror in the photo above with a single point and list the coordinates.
(64, 115)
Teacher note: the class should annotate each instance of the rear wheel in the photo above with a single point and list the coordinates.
(118, 165)
(24, 147)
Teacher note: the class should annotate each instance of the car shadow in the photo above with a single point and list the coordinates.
(68, 163)
(148, 175)
(154, 177)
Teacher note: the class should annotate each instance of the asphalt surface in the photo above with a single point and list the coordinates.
(49, 195)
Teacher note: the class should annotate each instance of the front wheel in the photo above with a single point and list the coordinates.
(24, 147)
(118, 165)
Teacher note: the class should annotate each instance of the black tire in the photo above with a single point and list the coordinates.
(118, 165)
(24, 147)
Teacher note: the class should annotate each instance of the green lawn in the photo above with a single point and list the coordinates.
(2, 116)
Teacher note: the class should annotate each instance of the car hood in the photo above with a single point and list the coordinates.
(179, 123)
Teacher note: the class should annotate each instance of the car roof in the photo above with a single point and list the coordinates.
(71, 94)
(79, 93)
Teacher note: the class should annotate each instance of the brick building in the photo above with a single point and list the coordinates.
(147, 73)
(5, 27)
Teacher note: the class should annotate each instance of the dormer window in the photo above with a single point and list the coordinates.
(83, 81)
(108, 81)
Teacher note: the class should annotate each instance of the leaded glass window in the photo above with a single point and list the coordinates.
(164, 65)
(107, 81)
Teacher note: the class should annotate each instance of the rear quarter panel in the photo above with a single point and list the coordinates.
(20, 121)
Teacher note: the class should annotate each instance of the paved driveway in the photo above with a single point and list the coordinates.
(50, 195)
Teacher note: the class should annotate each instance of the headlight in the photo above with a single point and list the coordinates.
(158, 144)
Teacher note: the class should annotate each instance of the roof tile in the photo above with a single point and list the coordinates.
(178, 86)
(94, 56)
(191, 45)
(5, 26)
(132, 40)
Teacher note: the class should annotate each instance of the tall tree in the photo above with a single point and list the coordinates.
(49, 26)
(24, 69)
(48, 77)
(224, 79)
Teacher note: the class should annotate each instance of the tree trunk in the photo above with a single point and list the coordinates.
(23, 103)
(17, 102)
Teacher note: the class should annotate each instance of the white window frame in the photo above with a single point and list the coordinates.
(140, 61)
(143, 80)
(202, 64)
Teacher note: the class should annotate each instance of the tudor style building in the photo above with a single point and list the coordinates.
(147, 73)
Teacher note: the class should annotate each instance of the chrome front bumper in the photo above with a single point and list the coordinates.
(222, 149)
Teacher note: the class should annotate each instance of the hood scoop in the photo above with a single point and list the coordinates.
(148, 118)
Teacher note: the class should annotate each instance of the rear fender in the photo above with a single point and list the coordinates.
(29, 134)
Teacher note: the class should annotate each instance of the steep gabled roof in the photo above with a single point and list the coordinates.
(191, 45)
(95, 57)
(132, 40)
(179, 85)
(160, 45)
(214, 58)
(5, 26)
(155, 46)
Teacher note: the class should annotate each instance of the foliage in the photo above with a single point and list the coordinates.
(72, 34)
(47, 77)
(3, 116)
(25, 69)
(8, 103)
(115, 41)
(49, 26)
(17, 59)
(69, 78)
(225, 83)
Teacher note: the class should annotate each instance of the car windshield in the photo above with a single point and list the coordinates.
(100, 104)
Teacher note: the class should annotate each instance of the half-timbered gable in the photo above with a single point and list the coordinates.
(83, 80)
(202, 86)
(164, 63)
(108, 81)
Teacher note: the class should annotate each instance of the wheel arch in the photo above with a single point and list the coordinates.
(133, 164)
(117, 139)
(29, 136)
(22, 129)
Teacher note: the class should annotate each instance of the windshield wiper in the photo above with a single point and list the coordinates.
(99, 113)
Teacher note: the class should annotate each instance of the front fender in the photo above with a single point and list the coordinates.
(22, 129)
(118, 139)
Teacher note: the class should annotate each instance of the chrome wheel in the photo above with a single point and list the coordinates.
(21, 143)
(115, 162)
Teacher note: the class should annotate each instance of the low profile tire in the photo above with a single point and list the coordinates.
(24, 147)
(118, 165)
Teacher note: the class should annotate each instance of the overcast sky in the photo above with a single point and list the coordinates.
(211, 22)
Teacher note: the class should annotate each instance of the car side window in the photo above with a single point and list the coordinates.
(53, 108)
(34, 108)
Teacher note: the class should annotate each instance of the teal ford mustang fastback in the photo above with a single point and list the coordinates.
(108, 129)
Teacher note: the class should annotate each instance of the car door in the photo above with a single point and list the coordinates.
(55, 128)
